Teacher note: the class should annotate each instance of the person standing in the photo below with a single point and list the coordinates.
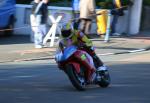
(40, 15)
(87, 9)
(118, 7)
(76, 13)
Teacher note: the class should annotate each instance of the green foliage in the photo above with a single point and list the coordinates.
(51, 3)
(107, 4)
(146, 2)
(64, 3)
(23, 1)
(104, 4)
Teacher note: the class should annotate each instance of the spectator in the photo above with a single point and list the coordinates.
(118, 7)
(75, 11)
(87, 9)
(40, 14)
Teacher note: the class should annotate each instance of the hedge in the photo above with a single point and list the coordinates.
(145, 2)
(29, 1)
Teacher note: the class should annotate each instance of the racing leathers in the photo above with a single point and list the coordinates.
(80, 40)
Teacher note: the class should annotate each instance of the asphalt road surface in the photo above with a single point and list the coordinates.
(43, 82)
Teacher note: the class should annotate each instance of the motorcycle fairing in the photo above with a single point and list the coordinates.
(62, 56)
(76, 66)
(86, 60)
(69, 51)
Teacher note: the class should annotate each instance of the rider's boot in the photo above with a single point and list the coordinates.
(102, 68)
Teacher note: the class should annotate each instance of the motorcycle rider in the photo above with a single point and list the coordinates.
(69, 36)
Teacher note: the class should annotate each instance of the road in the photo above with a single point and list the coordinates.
(43, 82)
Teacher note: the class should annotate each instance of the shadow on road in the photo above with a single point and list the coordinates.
(44, 83)
(15, 39)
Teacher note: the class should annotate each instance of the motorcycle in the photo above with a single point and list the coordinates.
(77, 64)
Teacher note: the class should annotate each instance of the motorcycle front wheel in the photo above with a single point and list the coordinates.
(77, 79)
(105, 79)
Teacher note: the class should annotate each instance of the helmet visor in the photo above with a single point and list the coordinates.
(66, 33)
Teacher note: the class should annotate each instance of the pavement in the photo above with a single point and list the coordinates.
(19, 48)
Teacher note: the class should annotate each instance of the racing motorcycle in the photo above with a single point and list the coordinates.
(78, 70)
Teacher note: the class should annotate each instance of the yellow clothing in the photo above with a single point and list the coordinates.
(118, 3)
(78, 39)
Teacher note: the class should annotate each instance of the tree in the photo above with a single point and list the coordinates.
(23, 1)
(146, 2)
(51, 1)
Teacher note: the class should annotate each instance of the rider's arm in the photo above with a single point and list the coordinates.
(85, 40)
(61, 47)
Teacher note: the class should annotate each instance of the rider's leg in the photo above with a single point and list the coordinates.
(88, 26)
(97, 61)
(82, 25)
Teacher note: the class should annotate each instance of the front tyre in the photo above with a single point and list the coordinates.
(77, 79)
(105, 79)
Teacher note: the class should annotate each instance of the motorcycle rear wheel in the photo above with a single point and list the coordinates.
(77, 79)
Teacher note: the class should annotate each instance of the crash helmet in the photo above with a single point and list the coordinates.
(66, 30)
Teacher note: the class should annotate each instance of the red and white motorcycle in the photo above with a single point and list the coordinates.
(77, 64)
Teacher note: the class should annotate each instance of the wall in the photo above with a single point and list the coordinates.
(145, 19)
(23, 19)
(134, 22)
